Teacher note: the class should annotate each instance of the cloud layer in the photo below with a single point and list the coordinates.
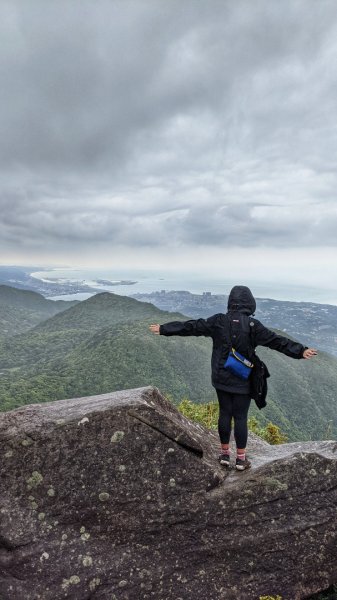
(164, 125)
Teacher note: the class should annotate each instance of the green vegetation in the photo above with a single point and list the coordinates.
(271, 433)
(98, 346)
(104, 344)
(206, 414)
(21, 310)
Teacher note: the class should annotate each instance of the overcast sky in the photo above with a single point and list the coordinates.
(191, 133)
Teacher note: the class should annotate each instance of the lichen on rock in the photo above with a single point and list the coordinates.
(117, 437)
(34, 480)
(104, 496)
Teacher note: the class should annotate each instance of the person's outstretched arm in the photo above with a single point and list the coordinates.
(266, 337)
(195, 327)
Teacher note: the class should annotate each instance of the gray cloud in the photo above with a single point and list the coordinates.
(141, 123)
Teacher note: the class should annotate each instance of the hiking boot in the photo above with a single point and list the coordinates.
(242, 465)
(224, 459)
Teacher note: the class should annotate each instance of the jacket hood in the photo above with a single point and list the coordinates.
(241, 299)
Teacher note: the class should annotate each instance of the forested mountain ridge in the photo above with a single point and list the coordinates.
(54, 337)
(20, 310)
(99, 311)
(104, 344)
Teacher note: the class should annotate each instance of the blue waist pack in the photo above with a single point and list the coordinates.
(238, 365)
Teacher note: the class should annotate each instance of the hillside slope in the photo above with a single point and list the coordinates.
(104, 344)
(20, 310)
(54, 337)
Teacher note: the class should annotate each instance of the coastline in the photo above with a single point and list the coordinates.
(75, 284)
(81, 284)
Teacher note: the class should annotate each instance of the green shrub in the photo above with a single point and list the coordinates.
(205, 414)
(271, 433)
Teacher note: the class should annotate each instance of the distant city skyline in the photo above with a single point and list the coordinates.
(179, 136)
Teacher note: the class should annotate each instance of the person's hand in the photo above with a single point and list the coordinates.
(309, 353)
(155, 329)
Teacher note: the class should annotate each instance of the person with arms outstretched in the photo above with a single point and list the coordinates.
(235, 336)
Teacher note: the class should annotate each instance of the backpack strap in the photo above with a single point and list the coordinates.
(252, 336)
(227, 330)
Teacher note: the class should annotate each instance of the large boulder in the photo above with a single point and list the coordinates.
(119, 497)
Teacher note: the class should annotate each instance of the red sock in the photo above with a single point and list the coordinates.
(225, 449)
(241, 456)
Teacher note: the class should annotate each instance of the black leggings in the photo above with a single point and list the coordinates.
(233, 406)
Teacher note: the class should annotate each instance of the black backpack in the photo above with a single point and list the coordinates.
(241, 337)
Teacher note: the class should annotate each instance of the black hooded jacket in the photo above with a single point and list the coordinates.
(238, 329)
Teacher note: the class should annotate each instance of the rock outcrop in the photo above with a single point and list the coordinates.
(119, 497)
